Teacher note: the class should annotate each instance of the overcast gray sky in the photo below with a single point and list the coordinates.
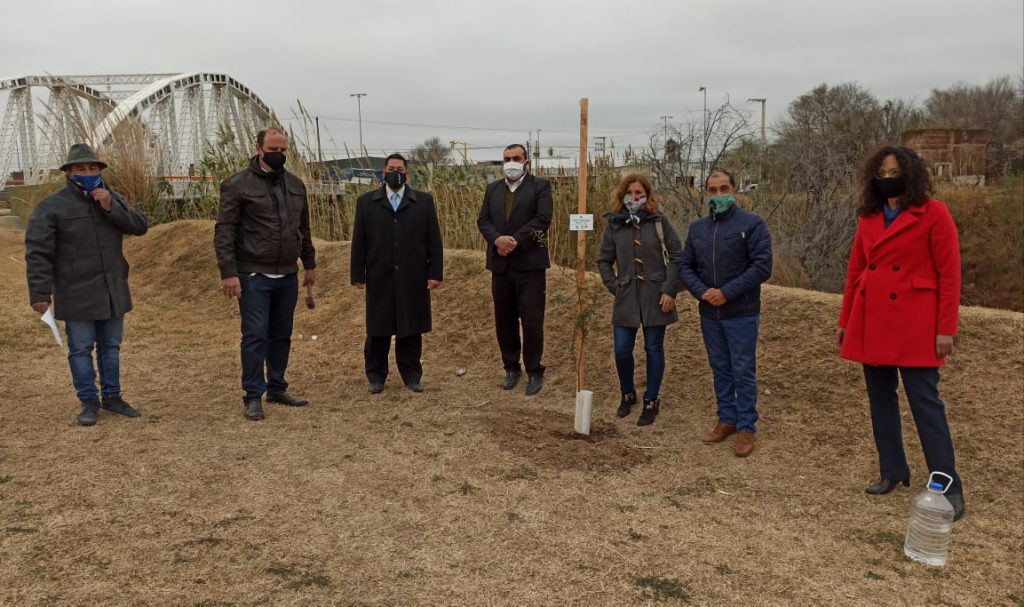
(522, 65)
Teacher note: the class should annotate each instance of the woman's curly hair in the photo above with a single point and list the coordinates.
(918, 181)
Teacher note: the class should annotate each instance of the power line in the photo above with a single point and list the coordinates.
(454, 126)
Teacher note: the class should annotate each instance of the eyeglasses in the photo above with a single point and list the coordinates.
(889, 174)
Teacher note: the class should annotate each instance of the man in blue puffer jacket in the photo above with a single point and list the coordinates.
(728, 254)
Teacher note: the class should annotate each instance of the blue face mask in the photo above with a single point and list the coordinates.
(721, 203)
(88, 183)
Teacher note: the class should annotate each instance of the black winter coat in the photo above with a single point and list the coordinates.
(394, 254)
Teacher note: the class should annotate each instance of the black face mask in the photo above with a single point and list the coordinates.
(394, 180)
(891, 187)
(274, 160)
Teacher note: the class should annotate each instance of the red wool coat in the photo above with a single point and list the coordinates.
(902, 288)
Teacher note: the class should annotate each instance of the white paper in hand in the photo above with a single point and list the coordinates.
(49, 320)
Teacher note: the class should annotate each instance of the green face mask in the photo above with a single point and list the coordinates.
(721, 203)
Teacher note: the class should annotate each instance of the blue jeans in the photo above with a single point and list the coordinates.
(267, 306)
(732, 352)
(654, 346)
(106, 336)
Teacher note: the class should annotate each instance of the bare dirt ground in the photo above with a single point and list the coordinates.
(465, 494)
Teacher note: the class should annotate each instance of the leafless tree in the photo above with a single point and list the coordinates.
(997, 106)
(822, 140)
(432, 152)
(678, 171)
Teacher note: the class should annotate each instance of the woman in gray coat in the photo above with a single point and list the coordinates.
(639, 263)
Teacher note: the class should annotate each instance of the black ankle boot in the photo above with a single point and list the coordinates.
(628, 400)
(650, 411)
(886, 486)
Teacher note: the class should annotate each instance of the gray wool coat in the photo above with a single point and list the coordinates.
(638, 286)
(73, 255)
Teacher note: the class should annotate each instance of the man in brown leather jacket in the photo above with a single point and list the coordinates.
(262, 230)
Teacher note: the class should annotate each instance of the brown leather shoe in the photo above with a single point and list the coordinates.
(719, 433)
(744, 444)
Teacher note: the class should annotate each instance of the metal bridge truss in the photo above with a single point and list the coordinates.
(177, 114)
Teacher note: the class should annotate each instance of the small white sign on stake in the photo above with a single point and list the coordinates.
(581, 223)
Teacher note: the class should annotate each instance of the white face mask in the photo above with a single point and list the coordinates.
(634, 205)
(513, 170)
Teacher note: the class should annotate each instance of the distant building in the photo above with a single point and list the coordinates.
(359, 170)
(956, 155)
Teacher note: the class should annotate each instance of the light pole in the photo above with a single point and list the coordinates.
(761, 100)
(764, 139)
(665, 119)
(538, 153)
(704, 148)
(359, 105)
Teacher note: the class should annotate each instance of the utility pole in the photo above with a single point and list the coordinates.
(665, 120)
(319, 150)
(539, 150)
(359, 105)
(764, 139)
(761, 100)
(704, 149)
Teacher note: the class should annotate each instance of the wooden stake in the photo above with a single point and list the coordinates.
(581, 244)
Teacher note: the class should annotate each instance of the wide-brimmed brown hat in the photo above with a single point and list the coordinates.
(81, 153)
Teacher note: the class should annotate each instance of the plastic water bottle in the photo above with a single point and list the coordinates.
(931, 523)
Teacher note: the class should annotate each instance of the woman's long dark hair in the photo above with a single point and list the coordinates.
(918, 181)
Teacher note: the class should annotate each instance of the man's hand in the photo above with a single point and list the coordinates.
(41, 307)
(505, 245)
(944, 345)
(103, 197)
(840, 336)
(232, 287)
(433, 284)
(310, 278)
(714, 297)
(667, 302)
(359, 285)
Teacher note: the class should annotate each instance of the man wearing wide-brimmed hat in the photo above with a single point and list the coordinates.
(74, 259)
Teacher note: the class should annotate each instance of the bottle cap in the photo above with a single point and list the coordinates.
(936, 486)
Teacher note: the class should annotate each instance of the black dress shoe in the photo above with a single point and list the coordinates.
(90, 409)
(414, 386)
(511, 379)
(886, 486)
(957, 500)
(253, 409)
(534, 384)
(284, 398)
(117, 405)
(376, 387)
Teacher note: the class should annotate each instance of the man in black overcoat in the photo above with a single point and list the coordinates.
(397, 257)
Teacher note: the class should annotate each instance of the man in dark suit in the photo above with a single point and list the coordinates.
(514, 219)
(397, 257)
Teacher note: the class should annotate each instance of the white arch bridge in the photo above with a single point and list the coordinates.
(169, 117)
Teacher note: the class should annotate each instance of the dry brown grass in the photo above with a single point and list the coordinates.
(467, 495)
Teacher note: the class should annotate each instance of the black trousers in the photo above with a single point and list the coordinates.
(519, 299)
(922, 387)
(407, 355)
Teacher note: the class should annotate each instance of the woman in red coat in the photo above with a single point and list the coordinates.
(900, 311)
